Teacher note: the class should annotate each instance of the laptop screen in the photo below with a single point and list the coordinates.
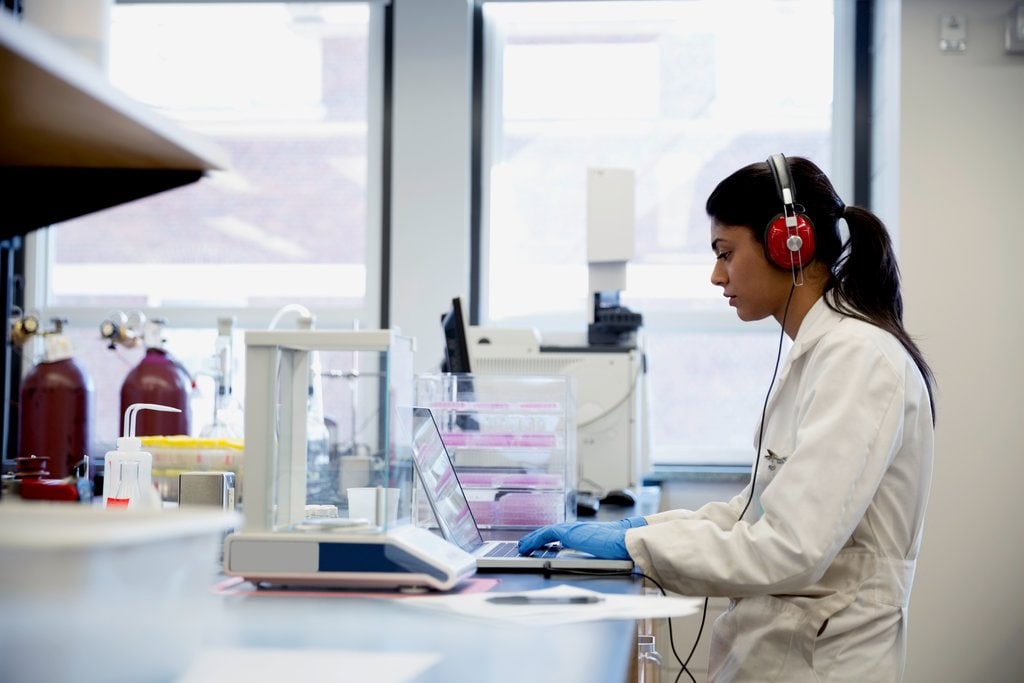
(440, 483)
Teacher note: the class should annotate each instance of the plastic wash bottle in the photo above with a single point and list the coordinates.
(130, 460)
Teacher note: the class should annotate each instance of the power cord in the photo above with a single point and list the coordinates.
(683, 664)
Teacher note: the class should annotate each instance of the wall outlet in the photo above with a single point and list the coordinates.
(953, 33)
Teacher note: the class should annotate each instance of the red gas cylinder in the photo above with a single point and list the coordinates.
(56, 409)
(158, 378)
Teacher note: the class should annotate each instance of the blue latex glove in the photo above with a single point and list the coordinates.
(601, 539)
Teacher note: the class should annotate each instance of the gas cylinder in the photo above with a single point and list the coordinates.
(56, 407)
(158, 378)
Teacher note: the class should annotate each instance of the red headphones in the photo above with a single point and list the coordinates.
(789, 236)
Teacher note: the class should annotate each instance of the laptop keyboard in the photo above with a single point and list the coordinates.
(511, 549)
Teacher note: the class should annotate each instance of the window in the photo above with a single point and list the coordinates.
(682, 93)
(291, 91)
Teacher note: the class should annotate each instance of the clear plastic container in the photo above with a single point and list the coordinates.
(174, 455)
(512, 440)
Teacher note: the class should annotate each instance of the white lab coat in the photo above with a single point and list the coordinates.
(820, 568)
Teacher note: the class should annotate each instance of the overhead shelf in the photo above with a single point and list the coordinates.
(73, 144)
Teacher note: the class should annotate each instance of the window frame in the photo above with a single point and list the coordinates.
(848, 133)
(39, 246)
(34, 260)
(395, 282)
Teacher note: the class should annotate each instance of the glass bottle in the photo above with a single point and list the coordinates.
(227, 413)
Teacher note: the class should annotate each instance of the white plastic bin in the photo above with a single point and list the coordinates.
(106, 595)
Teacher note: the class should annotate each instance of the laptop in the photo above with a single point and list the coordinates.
(455, 518)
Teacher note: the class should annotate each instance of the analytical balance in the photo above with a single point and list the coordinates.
(297, 528)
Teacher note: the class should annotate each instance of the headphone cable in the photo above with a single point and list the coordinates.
(684, 664)
(764, 408)
(753, 481)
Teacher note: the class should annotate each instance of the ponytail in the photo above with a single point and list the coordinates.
(866, 276)
(866, 283)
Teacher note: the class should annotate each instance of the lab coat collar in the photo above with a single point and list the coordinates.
(820, 319)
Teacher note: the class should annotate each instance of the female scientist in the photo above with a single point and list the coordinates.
(817, 553)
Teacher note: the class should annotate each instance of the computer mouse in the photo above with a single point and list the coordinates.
(620, 498)
(587, 505)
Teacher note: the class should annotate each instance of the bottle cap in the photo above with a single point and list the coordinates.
(129, 443)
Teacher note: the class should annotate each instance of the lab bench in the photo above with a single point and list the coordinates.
(468, 649)
(326, 623)
(141, 591)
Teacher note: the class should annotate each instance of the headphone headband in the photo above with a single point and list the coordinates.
(783, 181)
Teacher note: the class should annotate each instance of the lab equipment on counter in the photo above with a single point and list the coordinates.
(56, 407)
(288, 539)
(375, 504)
(321, 476)
(321, 469)
(512, 439)
(31, 480)
(610, 391)
(159, 378)
(607, 363)
(128, 471)
(610, 398)
(23, 327)
(227, 419)
(178, 454)
(448, 502)
(207, 489)
(123, 328)
(611, 228)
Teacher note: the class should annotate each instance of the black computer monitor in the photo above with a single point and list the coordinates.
(456, 356)
(456, 345)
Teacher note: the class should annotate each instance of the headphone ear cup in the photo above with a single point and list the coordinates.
(776, 242)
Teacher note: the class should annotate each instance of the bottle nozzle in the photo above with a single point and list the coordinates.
(133, 410)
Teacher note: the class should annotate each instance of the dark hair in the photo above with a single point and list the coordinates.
(864, 274)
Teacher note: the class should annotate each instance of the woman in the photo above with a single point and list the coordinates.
(818, 552)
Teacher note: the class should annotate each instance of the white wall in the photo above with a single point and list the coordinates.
(961, 179)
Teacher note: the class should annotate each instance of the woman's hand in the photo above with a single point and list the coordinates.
(600, 539)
